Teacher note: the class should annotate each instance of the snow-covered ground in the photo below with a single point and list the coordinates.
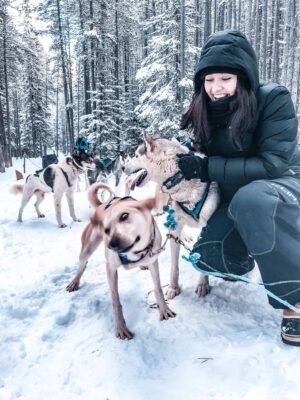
(56, 345)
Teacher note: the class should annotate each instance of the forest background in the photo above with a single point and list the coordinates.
(115, 68)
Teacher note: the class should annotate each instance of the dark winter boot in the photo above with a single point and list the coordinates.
(290, 328)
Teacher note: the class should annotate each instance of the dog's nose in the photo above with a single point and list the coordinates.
(114, 244)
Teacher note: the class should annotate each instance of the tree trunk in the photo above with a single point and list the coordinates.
(2, 139)
(93, 74)
(7, 154)
(182, 52)
(86, 74)
(17, 125)
(69, 122)
(116, 72)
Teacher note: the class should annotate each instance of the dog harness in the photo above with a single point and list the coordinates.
(48, 176)
(118, 198)
(66, 176)
(195, 213)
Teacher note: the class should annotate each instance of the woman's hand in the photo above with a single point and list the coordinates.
(193, 167)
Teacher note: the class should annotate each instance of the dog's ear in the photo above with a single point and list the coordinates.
(149, 141)
(147, 204)
(69, 160)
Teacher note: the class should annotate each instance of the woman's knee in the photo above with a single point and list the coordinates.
(249, 200)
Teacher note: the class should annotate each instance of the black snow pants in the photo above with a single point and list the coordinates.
(261, 223)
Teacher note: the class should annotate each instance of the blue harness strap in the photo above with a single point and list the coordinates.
(195, 213)
(106, 162)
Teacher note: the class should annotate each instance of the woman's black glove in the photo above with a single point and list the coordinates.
(193, 167)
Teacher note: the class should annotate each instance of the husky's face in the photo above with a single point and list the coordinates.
(136, 168)
(83, 159)
(154, 159)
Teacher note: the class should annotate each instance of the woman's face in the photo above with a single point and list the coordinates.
(218, 86)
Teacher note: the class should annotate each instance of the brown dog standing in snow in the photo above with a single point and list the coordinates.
(131, 238)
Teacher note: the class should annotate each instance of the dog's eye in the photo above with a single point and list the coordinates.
(124, 217)
(106, 231)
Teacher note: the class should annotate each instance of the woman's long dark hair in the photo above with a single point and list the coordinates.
(243, 110)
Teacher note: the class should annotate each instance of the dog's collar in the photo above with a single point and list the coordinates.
(173, 180)
(148, 250)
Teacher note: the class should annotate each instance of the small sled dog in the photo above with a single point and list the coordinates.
(57, 178)
(156, 160)
(104, 168)
(131, 239)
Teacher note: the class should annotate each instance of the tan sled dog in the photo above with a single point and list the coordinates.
(57, 178)
(131, 239)
(194, 202)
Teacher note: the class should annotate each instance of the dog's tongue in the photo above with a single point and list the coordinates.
(133, 178)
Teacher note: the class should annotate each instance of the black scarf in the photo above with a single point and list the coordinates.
(219, 112)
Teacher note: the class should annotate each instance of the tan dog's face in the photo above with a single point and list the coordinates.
(126, 224)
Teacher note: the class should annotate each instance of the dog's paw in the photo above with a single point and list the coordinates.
(42, 216)
(203, 287)
(62, 226)
(166, 313)
(72, 286)
(122, 332)
(77, 220)
(143, 268)
(172, 292)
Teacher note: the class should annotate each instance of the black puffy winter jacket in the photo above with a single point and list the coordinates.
(269, 147)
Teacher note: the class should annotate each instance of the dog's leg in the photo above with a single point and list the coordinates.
(203, 287)
(174, 289)
(122, 331)
(39, 198)
(57, 205)
(91, 238)
(70, 199)
(164, 311)
(86, 180)
(25, 199)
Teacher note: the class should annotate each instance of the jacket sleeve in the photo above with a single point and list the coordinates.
(276, 138)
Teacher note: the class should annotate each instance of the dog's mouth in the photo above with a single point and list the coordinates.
(116, 246)
(137, 178)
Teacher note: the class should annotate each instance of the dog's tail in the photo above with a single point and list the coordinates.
(104, 197)
(16, 188)
(19, 175)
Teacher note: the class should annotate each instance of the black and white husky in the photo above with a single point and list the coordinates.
(57, 178)
(194, 201)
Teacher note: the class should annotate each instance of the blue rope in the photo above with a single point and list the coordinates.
(194, 259)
